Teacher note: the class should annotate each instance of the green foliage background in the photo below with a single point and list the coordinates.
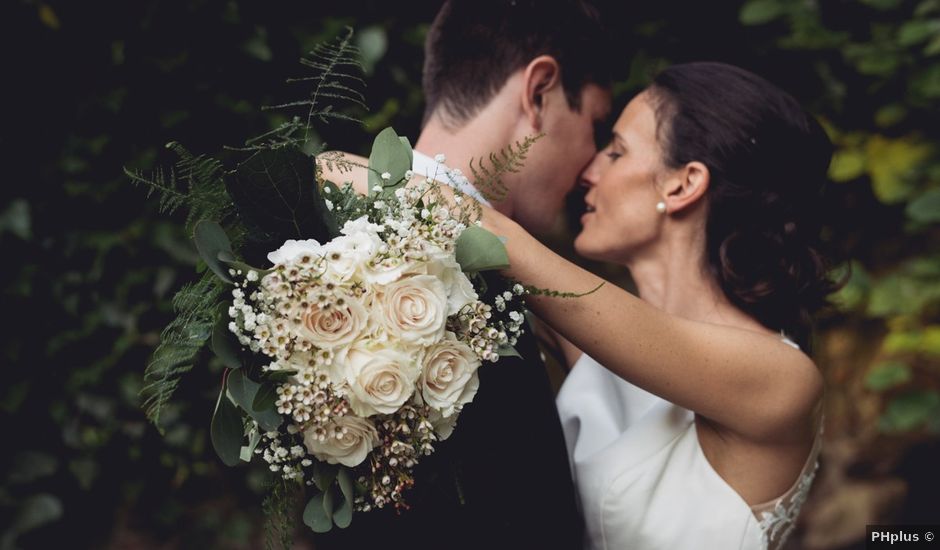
(90, 266)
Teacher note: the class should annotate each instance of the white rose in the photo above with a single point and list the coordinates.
(349, 253)
(380, 381)
(356, 438)
(292, 249)
(386, 271)
(460, 291)
(449, 375)
(336, 326)
(414, 309)
(361, 225)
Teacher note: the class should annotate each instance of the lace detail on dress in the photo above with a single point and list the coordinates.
(777, 524)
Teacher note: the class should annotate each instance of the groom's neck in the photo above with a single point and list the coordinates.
(486, 133)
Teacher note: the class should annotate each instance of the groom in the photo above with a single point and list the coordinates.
(495, 72)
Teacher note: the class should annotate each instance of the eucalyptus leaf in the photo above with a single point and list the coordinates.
(480, 250)
(248, 451)
(223, 342)
(228, 258)
(346, 485)
(244, 390)
(328, 503)
(343, 513)
(227, 430)
(315, 517)
(266, 397)
(210, 240)
(390, 154)
(324, 474)
(508, 351)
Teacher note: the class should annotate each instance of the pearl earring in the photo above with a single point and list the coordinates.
(661, 207)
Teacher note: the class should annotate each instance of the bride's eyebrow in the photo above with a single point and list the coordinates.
(618, 139)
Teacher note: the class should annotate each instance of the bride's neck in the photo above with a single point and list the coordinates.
(679, 283)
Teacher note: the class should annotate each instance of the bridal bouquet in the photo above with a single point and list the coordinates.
(370, 341)
(351, 327)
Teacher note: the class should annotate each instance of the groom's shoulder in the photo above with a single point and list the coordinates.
(340, 167)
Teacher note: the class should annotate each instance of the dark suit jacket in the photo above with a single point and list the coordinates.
(502, 479)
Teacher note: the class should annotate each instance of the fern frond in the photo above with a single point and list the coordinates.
(171, 198)
(508, 160)
(196, 183)
(278, 507)
(180, 342)
(336, 79)
(536, 291)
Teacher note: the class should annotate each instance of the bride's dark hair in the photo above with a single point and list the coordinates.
(768, 160)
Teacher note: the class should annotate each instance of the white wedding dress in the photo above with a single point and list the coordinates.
(643, 481)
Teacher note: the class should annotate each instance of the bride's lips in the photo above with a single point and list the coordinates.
(588, 210)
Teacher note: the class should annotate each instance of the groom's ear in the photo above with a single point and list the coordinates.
(541, 75)
(687, 186)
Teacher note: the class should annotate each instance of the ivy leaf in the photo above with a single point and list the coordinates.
(391, 154)
(223, 342)
(508, 351)
(244, 390)
(480, 250)
(211, 240)
(758, 12)
(888, 375)
(925, 208)
(227, 430)
(276, 195)
(910, 411)
(315, 516)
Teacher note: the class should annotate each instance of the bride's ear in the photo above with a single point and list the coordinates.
(687, 186)
(541, 75)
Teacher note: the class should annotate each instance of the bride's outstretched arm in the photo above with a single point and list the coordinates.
(750, 383)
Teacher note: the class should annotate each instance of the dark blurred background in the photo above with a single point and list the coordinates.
(90, 265)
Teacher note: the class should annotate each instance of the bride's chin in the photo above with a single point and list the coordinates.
(582, 246)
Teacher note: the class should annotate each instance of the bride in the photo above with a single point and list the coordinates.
(692, 413)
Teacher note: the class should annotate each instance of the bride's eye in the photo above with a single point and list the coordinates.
(613, 155)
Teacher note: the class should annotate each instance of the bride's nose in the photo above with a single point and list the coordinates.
(591, 173)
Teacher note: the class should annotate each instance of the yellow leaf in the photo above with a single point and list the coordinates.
(892, 162)
(48, 17)
(847, 164)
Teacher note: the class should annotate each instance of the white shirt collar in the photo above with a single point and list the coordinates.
(426, 166)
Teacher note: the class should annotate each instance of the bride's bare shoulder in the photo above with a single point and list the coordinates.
(340, 167)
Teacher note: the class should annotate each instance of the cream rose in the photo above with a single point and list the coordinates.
(449, 376)
(348, 441)
(443, 427)
(336, 326)
(380, 381)
(414, 309)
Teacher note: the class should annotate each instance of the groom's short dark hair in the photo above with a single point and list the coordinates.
(473, 46)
